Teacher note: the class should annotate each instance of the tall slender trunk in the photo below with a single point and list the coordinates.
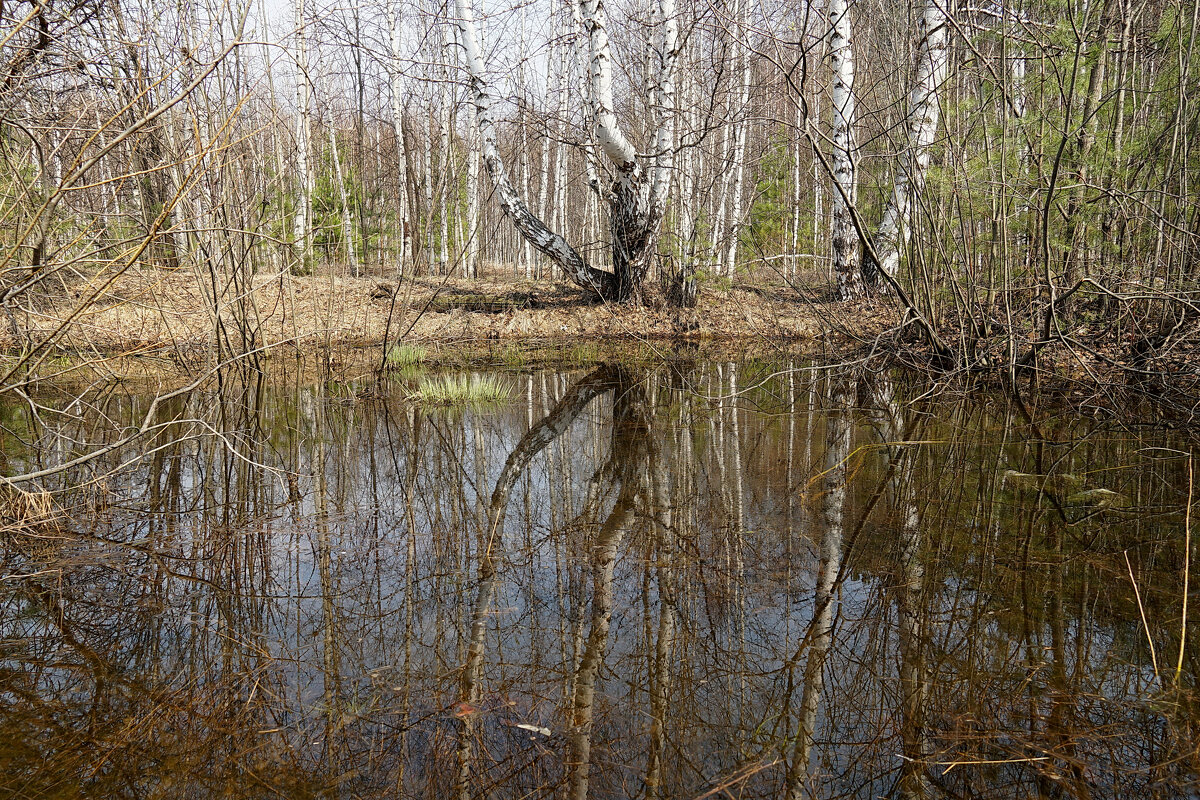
(347, 217)
(924, 112)
(544, 173)
(472, 248)
(1016, 110)
(395, 77)
(1077, 229)
(738, 173)
(306, 178)
(842, 233)
(445, 158)
(427, 152)
(683, 289)
(797, 181)
(558, 215)
(720, 220)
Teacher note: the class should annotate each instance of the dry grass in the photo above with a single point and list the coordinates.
(154, 310)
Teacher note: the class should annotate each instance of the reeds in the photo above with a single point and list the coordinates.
(401, 356)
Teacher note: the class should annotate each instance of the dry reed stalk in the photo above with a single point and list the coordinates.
(1187, 561)
(1142, 611)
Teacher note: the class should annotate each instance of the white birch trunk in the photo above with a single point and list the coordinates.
(395, 77)
(818, 172)
(303, 219)
(1016, 76)
(552, 87)
(529, 226)
(724, 179)
(666, 54)
(347, 220)
(444, 156)
(683, 285)
(797, 181)
(427, 151)
(558, 214)
(580, 52)
(842, 234)
(472, 249)
(738, 173)
(609, 135)
(523, 149)
(636, 206)
(933, 61)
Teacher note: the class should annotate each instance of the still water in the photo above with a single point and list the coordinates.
(689, 581)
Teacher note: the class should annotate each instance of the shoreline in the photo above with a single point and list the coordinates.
(154, 323)
(162, 311)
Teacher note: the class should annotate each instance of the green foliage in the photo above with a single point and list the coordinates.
(406, 355)
(769, 213)
(584, 354)
(328, 207)
(512, 356)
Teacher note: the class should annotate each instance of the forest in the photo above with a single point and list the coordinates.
(990, 181)
(594, 399)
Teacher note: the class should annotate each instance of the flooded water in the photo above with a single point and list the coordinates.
(685, 581)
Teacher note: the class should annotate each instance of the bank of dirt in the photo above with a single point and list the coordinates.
(156, 322)
(160, 312)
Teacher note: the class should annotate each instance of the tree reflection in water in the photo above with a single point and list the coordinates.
(725, 579)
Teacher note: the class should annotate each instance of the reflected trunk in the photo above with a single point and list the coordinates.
(828, 520)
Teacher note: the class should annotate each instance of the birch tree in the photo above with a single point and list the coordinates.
(307, 180)
(924, 112)
(737, 172)
(637, 196)
(395, 77)
(843, 235)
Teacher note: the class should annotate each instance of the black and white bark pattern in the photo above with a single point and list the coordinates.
(842, 234)
(526, 222)
(637, 202)
(924, 112)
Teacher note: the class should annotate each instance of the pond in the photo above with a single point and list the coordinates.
(684, 580)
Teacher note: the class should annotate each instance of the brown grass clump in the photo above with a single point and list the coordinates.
(23, 512)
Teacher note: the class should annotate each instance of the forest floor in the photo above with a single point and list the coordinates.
(158, 312)
(145, 322)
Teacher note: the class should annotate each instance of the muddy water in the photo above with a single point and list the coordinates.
(706, 580)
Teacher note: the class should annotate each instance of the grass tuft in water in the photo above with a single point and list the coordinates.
(463, 390)
(585, 354)
(406, 355)
(512, 356)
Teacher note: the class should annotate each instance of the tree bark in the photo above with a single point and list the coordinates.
(636, 205)
(395, 76)
(532, 229)
(843, 236)
(933, 61)
(303, 218)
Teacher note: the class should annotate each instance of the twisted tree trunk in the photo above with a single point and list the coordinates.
(636, 200)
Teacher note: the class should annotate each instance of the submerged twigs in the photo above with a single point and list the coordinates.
(1187, 562)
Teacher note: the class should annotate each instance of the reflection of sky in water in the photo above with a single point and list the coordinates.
(258, 582)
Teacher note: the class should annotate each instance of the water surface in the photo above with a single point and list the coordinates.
(685, 581)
